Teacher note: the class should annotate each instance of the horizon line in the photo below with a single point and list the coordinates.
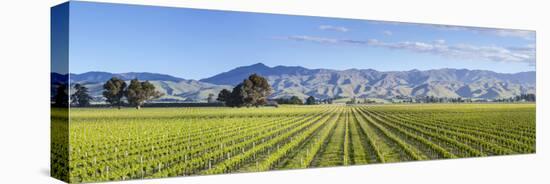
(260, 63)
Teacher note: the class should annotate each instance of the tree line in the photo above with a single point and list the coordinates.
(432, 99)
(253, 91)
(295, 100)
(519, 98)
(117, 93)
(354, 100)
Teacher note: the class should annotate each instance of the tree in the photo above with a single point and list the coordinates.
(296, 100)
(250, 96)
(61, 98)
(292, 100)
(253, 91)
(237, 96)
(353, 100)
(113, 91)
(81, 97)
(210, 98)
(224, 95)
(140, 92)
(518, 98)
(230, 98)
(257, 90)
(310, 100)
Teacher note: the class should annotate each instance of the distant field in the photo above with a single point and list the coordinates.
(110, 144)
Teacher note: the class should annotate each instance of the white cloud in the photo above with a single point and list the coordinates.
(312, 39)
(387, 33)
(524, 34)
(333, 28)
(448, 27)
(528, 35)
(524, 54)
(439, 41)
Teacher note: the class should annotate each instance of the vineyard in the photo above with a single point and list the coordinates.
(110, 144)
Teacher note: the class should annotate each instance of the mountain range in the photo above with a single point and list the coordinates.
(298, 81)
(173, 88)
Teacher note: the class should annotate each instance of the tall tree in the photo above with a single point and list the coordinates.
(237, 96)
(352, 101)
(140, 92)
(261, 89)
(113, 91)
(224, 96)
(250, 96)
(296, 100)
(310, 100)
(253, 91)
(292, 100)
(61, 98)
(81, 97)
(210, 98)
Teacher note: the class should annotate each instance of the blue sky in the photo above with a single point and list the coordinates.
(195, 44)
(60, 38)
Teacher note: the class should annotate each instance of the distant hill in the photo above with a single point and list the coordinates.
(326, 83)
(56, 80)
(93, 77)
(174, 88)
(235, 76)
(288, 81)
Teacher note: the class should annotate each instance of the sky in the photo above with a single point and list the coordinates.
(196, 44)
(60, 38)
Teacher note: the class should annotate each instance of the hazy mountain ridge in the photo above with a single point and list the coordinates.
(94, 77)
(288, 81)
(56, 80)
(326, 83)
(173, 88)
